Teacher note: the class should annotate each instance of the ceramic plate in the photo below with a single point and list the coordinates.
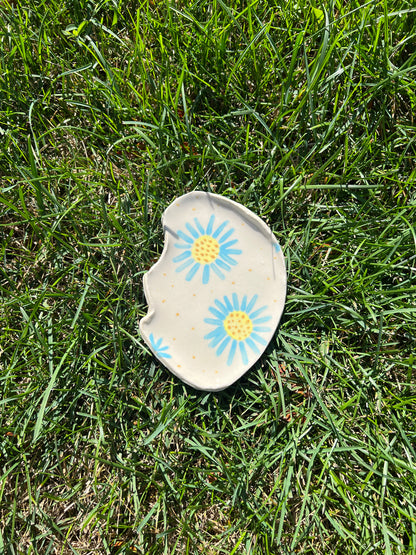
(216, 294)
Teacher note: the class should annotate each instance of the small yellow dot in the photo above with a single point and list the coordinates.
(177, 314)
(174, 339)
(216, 371)
(268, 279)
(233, 282)
(179, 365)
(172, 286)
(192, 328)
(194, 356)
(250, 270)
(164, 300)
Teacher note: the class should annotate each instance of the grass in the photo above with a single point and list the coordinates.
(111, 109)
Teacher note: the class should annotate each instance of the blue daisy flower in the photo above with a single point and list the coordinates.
(206, 248)
(238, 325)
(159, 350)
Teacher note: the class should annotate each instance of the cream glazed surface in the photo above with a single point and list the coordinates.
(217, 292)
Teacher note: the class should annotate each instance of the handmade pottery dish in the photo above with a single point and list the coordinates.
(217, 292)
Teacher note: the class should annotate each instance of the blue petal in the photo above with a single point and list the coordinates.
(192, 271)
(199, 226)
(182, 256)
(228, 259)
(181, 246)
(222, 308)
(251, 303)
(243, 352)
(222, 264)
(232, 352)
(158, 343)
(215, 269)
(254, 315)
(217, 339)
(262, 329)
(192, 231)
(252, 345)
(229, 244)
(258, 338)
(152, 339)
(233, 251)
(221, 348)
(210, 225)
(205, 275)
(165, 355)
(244, 303)
(228, 304)
(185, 265)
(277, 248)
(226, 235)
(182, 235)
(261, 320)
(213, 322)
(215, 333)
(217, 313)
(235, 302)
(219, 229)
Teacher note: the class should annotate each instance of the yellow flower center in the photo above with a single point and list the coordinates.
(238, 325)
(205, 249)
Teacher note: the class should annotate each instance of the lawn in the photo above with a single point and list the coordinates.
(306, 115)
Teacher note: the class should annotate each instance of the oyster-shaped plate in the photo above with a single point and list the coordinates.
(216, 294)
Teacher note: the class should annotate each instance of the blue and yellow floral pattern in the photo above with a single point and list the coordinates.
(238, 325)
(159, 350)
(207, 248)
